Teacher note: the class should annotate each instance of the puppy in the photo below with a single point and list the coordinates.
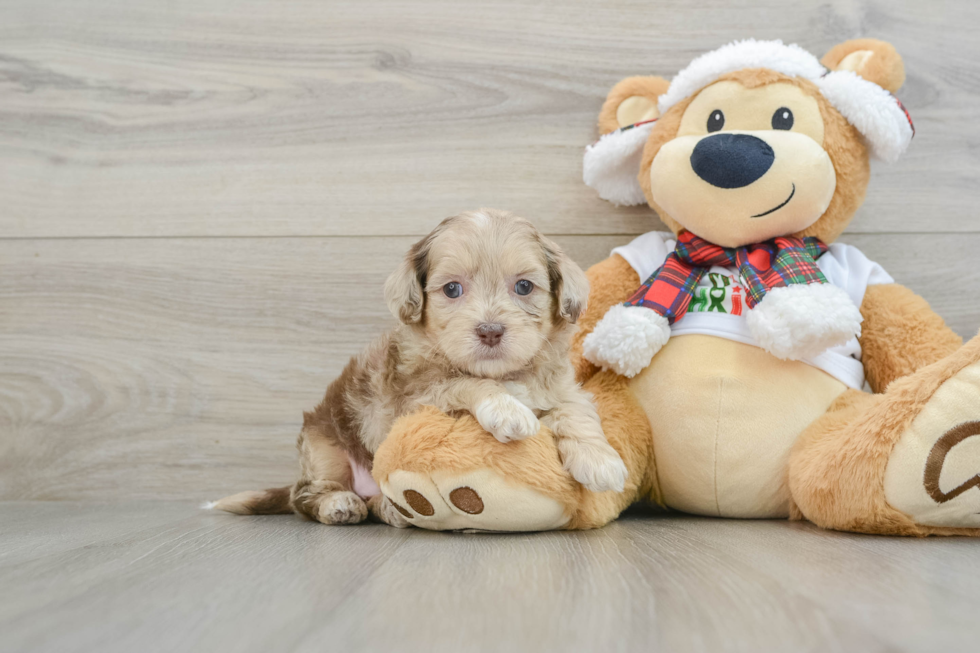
(487, 307)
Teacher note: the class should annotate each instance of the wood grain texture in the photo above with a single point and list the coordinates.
(207, 117)
(182, 579)
(199, 201)
(179, 368)
(198, 204)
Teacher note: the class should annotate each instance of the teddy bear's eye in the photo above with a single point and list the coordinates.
(716, 121)
(782, 119)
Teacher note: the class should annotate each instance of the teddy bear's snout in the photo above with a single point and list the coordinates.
(731, 160)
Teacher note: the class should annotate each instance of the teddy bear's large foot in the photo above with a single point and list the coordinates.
(479, 500)
(904, 462)
(933, 473)
(446, 473)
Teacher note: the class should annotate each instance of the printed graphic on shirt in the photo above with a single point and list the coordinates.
(718, 293)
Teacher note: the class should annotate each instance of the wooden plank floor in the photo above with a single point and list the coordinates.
(167, 577)
(199, 201)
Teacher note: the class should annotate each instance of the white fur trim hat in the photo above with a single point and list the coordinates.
(612, 163)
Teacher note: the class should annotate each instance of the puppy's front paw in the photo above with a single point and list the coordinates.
(596, 466)
(506, 418)
(342, 508)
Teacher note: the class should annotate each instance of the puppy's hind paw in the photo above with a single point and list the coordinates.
(342, 508)
(597, 467)
(506, 418)
(385, 510)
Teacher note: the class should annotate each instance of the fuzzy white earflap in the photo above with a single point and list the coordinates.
(626, 339)
(798, 322)
(612, 163)
(872, 110)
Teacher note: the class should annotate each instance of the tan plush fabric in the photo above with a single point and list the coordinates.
(932, 470)
(881, 63)
(428, 444)
(649, 88)
(900, 335)
(628, 431)
(841, 141)
(837, 468)
(429, 441)
(448, 500)
(851, 163)
(610, 282)
(725, 416)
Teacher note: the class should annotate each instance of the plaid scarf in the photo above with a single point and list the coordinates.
(762, 267)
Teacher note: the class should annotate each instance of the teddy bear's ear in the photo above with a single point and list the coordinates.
(874, 60)
(631, 101)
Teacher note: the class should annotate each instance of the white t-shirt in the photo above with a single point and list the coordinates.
(718, 306)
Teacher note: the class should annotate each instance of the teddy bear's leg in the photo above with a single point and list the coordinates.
(627, 428)
(903, 462)
(446, 473)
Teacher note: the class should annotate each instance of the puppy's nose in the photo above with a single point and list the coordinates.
(731, 160)
(490, 333)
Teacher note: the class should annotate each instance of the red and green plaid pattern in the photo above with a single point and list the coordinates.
(762, 267)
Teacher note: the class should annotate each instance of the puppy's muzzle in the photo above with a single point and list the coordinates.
(490, 333)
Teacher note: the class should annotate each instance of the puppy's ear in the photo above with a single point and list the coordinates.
(876, 61)
(568, 283)
(631, 101)
(404, 289)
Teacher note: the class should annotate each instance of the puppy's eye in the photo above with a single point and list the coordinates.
(716, 121)
(782, 119)
(452, 290)
(523, 287)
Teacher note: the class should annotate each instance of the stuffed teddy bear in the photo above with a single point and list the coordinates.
(729, 358)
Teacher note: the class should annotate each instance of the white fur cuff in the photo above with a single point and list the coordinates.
(797, 322)
(626, 339)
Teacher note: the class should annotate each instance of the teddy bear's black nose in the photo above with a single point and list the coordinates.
(731, 160)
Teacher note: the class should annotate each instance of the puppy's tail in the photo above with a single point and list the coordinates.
(274, 501)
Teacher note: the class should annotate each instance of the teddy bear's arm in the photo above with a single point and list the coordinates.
(900, 334)
(611, 282)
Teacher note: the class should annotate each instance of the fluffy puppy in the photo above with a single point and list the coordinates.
(487, 307)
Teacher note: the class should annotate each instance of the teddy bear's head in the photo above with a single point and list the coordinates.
(754, 140)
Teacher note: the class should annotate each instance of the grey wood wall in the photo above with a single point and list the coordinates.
(199, 199)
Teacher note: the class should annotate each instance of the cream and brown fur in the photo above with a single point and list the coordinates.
(499, 351)
(837, 469)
